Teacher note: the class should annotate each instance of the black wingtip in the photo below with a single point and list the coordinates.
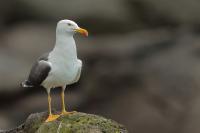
(26, 84)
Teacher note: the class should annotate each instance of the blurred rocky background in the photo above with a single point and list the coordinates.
(141, 61)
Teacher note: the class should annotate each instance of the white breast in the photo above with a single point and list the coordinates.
(62, 73)
(65, 66)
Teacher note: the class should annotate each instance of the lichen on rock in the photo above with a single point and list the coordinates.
(72, 123)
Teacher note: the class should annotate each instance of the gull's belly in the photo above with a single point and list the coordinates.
(61, 75)
(64, 74)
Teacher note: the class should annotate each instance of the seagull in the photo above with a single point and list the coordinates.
(60, 67)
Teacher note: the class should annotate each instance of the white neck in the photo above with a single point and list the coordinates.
(65, 47)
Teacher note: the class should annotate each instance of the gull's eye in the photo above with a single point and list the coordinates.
(69, 24)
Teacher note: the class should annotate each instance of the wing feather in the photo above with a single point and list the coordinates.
(39, 72)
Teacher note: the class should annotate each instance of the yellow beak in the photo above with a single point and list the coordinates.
(82, 31)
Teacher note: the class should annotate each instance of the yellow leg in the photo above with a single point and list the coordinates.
(64, 112)
(51, 117)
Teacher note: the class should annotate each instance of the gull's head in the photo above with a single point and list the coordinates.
(69, 27)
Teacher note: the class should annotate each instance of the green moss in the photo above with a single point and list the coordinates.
(73, 123)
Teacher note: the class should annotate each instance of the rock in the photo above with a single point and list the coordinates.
(73, 123)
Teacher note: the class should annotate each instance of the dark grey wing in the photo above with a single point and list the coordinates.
(39, 72)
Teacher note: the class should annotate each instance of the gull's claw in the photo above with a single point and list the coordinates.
(52, 118)
(67, 113)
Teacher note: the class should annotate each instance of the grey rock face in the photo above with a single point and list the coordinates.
(73, 123)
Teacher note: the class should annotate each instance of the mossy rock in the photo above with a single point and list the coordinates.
(73, 123)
